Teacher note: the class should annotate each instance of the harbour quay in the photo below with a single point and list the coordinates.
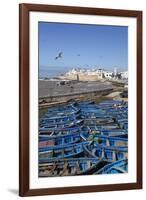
(63, 90)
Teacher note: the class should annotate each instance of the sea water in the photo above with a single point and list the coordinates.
(51, 72)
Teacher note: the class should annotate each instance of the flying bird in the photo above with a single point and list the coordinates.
(78, 54)
(59, 55)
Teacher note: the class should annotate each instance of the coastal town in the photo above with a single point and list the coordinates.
(94, 74)
(80, 84)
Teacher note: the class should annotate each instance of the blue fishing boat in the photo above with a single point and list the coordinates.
(111, 141)
(111, 153)
(69, 123)
(62, 113)
(59, 131)
(48, 126)
(61, 151)
(99, 121)
(59, 119)
(120, 166)
(115, 132)
(45, 141)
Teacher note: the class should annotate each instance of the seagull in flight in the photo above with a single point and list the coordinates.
(59, 55)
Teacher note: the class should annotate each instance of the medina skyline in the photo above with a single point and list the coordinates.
(76, 45)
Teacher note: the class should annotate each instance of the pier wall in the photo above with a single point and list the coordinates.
(44, 101)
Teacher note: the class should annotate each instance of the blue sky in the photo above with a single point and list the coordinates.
(83, 46)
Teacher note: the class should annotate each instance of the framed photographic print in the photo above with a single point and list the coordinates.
(80, 99)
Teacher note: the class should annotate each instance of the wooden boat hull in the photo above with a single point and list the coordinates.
(120, 166)
(71, 167)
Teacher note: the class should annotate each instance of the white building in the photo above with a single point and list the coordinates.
(124, 75)
(108, 75)
(115, 71)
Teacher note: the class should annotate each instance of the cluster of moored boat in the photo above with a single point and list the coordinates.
(84, 138)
